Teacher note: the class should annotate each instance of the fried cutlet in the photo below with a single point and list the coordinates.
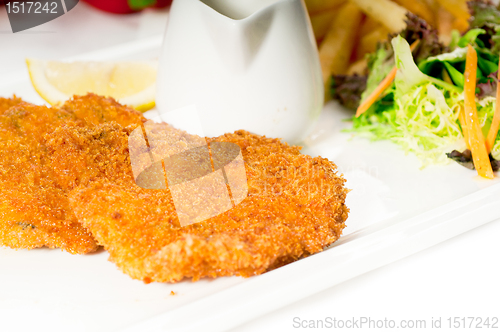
(295, 207)
(68, 181)
(34, 211)
(6, 103)
(34, 208)
(93, 110)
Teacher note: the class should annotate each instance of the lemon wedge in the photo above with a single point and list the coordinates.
(130, 83)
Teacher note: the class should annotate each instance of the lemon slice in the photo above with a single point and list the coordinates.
(131, 83)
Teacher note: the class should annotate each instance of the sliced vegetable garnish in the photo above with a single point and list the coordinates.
(386, 82)
(495, 124)
(456, 76)
(422, 108)
(465, 129)
(476, 138)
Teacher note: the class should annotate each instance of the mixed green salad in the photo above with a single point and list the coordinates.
(420, 109)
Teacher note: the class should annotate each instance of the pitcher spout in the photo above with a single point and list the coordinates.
(239, 9)
(238, 29)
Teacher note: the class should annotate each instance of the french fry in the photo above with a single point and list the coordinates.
(418, 7)
(431, 4)
(321, 23)
(368, 25)
(460, 25)
(336, 49)
(444, 25)
(457, 8)
(318, 6)
(368, 43)
(359, 67)
(389, 13)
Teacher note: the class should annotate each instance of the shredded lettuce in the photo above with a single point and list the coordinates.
(379, 64)
(423, 116)
(422, 121)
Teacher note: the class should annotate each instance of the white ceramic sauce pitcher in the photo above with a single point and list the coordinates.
(244, 64)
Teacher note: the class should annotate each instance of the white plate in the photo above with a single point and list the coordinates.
(397, 209)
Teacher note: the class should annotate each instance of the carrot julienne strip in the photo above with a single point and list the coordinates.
(386, 82)
(463, 124)
(495, 124)
(477, 143)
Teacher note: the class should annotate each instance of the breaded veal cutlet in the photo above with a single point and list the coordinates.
(6, 103)
(295, 207)
(80, 154)
(34, 207)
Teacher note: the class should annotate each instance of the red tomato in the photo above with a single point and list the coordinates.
(163, 3)
(122, 6)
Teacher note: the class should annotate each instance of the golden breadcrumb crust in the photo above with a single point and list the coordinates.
(295, 208)
(6, 103)
(34, 208)
(66, 181)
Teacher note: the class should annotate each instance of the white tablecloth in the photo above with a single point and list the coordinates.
(458, 278)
